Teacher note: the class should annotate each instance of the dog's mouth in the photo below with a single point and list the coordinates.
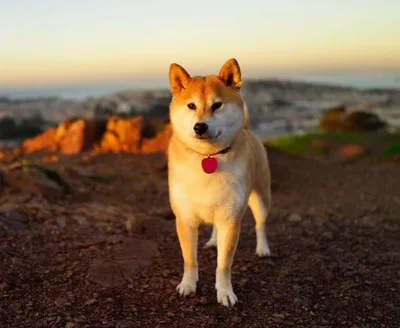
(207, 137)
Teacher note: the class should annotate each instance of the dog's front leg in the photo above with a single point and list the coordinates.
(227, 239)
(188, 236)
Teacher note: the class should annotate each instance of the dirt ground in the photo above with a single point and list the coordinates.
(104, 252)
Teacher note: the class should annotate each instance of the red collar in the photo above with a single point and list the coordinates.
(223, 151)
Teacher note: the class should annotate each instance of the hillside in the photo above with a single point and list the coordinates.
(276, 107)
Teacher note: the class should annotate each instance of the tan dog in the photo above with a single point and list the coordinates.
(216, 167)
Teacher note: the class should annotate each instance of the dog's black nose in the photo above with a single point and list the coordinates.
(200, 128)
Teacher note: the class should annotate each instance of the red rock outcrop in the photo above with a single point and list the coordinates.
(159, 142)
(116, 134)
(43, 142)
(122, 134)
(80, 135)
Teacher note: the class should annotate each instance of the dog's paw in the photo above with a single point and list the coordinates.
(210, 244)
(186, 289)
(226, 297)
(263, 250)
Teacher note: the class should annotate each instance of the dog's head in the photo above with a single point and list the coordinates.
(207, 111)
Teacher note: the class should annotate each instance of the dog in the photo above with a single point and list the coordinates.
(216, 167)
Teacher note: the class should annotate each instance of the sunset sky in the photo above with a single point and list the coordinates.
(55, 42)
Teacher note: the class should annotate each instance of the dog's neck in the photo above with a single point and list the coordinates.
(222, 151)
(205, 150)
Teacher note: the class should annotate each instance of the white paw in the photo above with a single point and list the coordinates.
(263, 250)
(226, 297)
(186, 289)
(211, 243)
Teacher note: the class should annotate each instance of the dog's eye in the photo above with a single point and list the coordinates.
(216, 105)
(192, 106)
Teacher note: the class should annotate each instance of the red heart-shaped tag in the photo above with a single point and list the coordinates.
(209, 165)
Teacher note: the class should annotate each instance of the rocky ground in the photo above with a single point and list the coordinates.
(89, 241)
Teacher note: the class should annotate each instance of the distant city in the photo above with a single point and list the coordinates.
(276, 107)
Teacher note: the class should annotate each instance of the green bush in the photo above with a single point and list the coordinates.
(338, 119)
(295, 144)
(392, 149)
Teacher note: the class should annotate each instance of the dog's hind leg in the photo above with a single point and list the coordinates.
(259, 206)
(212, 242)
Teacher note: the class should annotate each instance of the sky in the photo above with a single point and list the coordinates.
(85, 41)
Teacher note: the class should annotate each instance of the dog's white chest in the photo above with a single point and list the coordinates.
(205, 197)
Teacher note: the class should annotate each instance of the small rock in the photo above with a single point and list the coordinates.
(278, 315)
(236, 319)
(242, 282)
(61, 222)
(294, 217)
(190, 308)
(134, 225)
(4, 286)
(275, 295)
(302, 301)
(91, 301)
(80, 219)
(60, 302)
(327, 235)
(170, 314)
(70, 325)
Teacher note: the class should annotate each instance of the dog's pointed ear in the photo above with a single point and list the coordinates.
(230, 74)
(178, 78)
